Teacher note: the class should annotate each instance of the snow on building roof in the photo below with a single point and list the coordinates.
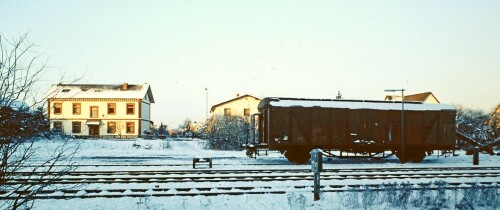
(101, 91)
(351, 104)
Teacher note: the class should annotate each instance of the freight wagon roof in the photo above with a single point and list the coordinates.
(351, 104)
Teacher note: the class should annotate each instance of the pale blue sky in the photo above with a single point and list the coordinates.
(309, 49)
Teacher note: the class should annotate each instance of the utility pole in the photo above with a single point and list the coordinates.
(402, 157)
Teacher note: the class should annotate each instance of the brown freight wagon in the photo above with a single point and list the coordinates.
(294, 126)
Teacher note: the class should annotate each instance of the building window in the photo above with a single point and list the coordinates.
(94, 112)
(130, 127)
(130, 108)
(77, 127)
(111, 108)
(227, 111)
(77, 108)
(57, 108)
(57, 126)
(246, 112)
(111, 127)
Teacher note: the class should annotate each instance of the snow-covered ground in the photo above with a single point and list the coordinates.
(177, 154)
(181, 151)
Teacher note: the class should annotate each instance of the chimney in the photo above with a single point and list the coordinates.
(125, 86)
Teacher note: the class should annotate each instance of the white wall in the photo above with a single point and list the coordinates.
(237, 107)
(146, 116)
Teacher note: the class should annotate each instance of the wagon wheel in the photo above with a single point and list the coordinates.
(401, 160)
(417, 156)
(299, 156)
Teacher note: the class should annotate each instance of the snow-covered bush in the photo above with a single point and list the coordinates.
(296, 201)
(469, 197)
(427, 198)
(476, 124)
(226, 132)
(434, 195)
(351, 199)
(166, 144)
(489, 197)
(369, 197)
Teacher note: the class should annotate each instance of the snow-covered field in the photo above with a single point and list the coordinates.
(121, 155)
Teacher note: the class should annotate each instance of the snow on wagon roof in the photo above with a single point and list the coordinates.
(352, 104)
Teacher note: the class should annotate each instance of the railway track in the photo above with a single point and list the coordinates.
(254, 171)
(158, 165)
(246, 180)
(215, 191)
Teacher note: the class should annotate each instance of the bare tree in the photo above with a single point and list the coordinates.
(162, 131)
(120, 128)
(22, 124)
(186, 127)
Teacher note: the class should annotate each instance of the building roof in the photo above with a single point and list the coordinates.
(351, 104)
(415, 97)
(100, 91)
(420, 97)
(234, 99)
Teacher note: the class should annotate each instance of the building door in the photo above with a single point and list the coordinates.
(94, 130)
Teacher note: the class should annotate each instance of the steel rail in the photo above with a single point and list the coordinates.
(215, 191)
(247, 177)
(252, 171)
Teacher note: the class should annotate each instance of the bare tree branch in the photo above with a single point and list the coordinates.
(23, 124)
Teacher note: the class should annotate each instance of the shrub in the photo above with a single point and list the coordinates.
(226, 132)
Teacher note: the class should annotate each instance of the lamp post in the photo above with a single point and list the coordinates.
(402, 157)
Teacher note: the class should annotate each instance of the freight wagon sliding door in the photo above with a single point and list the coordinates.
(340, 127)
(447, 130)
(430, 128)
(364, 125)
(360, 125)
(370, 127)
(300, 126)
(413, 129)
(436, 130)
(379, 127)
(279, 127)
(394, 129)
(320, 127)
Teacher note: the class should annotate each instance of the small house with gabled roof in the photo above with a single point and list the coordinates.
(100, 110)
(427, 98)
(244, 106)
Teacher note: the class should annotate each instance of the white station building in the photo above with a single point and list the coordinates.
(100, 110)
